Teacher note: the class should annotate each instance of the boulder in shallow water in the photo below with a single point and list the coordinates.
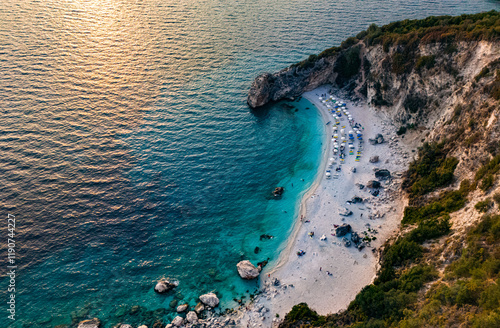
(143, 326)
(266, 237)
(191, 317)
(182, 308)
(247, 270)
(178, 321)
(199, 308)
(343, 230)
(165, 285)
(210, 299)
(92, 323)
(278, 191)
(126, 326)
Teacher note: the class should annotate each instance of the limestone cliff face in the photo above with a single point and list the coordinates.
(439, 88)
(290, 82)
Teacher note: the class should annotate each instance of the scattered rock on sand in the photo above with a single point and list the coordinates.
(247, 270)
(373, 184)
(191, 317)
(182, 308)
(382, 174)
(210, 299)
(343, 230)
(178, 321)
(377, 140)
(165, 285)
(92, 323)
(345, 212)
(374, 159)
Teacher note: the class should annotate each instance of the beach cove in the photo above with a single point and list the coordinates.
(329, 275)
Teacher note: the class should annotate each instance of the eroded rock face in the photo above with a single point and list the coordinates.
(247, 270)
(290, 82)
(210, 299)
(92, 323)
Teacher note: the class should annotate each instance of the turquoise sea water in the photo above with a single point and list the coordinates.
(128, 152)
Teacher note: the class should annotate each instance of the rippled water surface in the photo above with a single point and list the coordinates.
(127, 151)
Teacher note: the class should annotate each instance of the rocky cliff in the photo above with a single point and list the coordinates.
(438, 79)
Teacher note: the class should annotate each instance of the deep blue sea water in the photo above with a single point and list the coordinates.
(127, 151)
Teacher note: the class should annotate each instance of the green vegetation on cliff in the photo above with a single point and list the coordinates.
(408, 34)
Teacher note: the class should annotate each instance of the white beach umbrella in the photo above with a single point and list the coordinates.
(320, 98)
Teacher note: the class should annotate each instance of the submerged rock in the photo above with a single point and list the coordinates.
(165, 285)
(266, 237)
(247, 270)
(92, 323)
(210, 299)
(343, 230)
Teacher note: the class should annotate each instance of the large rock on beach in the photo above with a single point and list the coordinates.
(191, 317)
(374, 159)
(210, 299)
(178, 321)
(377, 140)
(165, 285)
(92, 323)
(247, 270)
(382, 174)
(373, 184)
(343, 230)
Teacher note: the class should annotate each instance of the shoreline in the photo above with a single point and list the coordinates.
(308, 193)
(295, 279)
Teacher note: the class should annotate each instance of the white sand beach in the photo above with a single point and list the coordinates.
(329, 275)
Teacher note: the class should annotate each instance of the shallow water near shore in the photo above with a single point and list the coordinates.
(129, 154)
